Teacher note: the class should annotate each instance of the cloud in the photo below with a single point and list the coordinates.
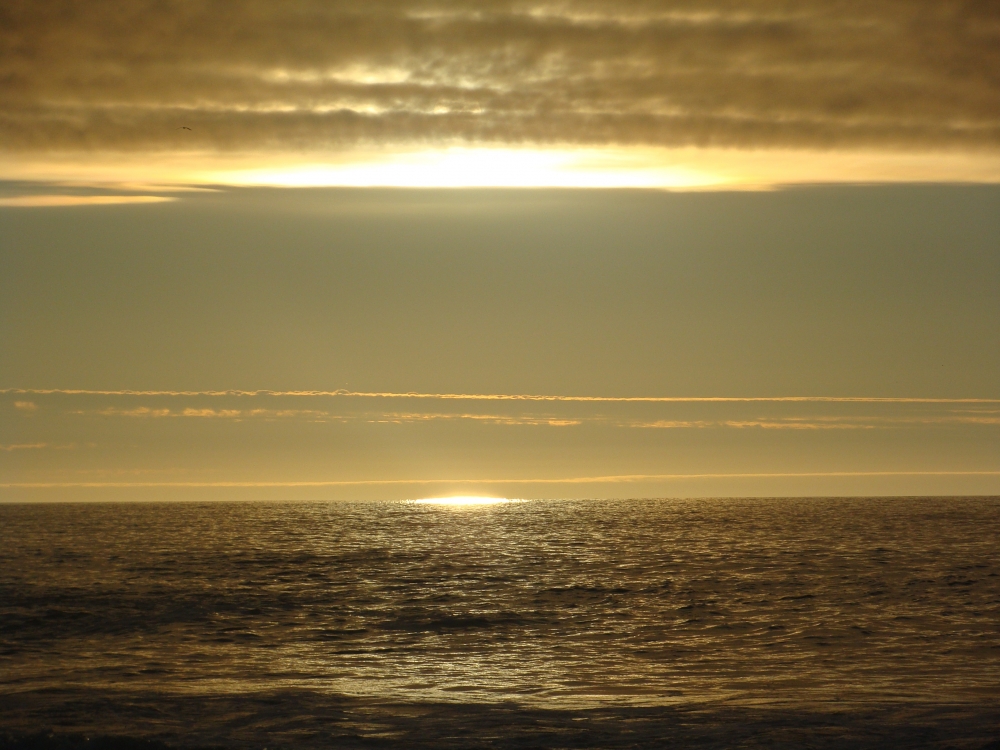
(23, 447)
(609, 479)
(498, 419)
(670, 424)
(505, 396)
(223, 413)
(207, 413)
(183, 75)
(139, 411)
(158, 413)
(44, 201)
(278, 413)
(26, 406)
(318, 415)
(767, 424)
(795, 424)
(868, 422)
(814, 422)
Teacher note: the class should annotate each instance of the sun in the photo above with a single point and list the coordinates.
(462, 500)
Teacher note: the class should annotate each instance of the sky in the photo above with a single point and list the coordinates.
(568, 249)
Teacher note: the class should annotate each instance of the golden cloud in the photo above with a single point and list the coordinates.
(43, 201)
(183, 75)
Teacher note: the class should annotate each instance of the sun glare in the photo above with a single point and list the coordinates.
(476, 167)
(458, 167)
(463, 500)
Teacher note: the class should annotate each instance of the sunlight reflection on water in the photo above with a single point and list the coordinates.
(464, 500)
(545, 603)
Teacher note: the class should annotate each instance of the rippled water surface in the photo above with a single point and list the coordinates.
(544, 606)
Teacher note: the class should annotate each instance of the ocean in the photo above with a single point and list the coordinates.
(715, 623)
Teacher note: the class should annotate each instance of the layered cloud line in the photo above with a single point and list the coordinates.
(181, 75)
(22, 447)
(501, 396)
(48, 201)
(868, 422)
(611, 479)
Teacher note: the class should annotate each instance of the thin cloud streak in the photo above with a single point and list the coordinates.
(795, 425)
(325, 416)
(504, 396)
(864, 422)
(50, 201)
(497, 419)
(612, 479)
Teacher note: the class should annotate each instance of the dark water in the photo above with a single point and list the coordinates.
(710, 623)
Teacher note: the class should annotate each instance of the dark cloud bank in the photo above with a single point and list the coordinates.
(242, 74)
